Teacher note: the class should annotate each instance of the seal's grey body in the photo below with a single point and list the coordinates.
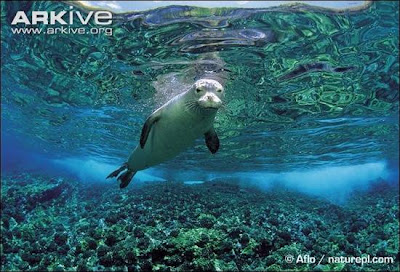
(174, 127)
(178, 128)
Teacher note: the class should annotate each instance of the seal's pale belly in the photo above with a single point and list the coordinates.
(173, 133)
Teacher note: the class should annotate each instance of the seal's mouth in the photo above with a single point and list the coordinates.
(197, 106)
(210, 107)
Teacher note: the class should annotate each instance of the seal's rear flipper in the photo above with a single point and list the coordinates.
(125, 178)
(116, 172)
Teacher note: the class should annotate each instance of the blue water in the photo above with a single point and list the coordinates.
(275, 121)
(311, 103)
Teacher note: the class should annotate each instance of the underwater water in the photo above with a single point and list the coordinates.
(309, 141)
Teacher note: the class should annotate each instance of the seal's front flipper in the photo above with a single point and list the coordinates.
(116, 172)
(212, 140)
(125, 178)
(151, 120)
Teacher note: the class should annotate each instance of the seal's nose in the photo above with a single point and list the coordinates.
(211, 97)
(210, 100)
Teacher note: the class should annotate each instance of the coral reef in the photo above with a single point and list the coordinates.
(60, 225)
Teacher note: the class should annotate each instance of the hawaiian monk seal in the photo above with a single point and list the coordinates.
(174, 127)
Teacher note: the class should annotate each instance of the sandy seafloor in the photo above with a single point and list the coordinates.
(57, 224)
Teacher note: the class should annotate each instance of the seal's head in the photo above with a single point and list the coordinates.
(209, 93)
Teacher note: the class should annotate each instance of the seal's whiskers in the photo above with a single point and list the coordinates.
(192, 105)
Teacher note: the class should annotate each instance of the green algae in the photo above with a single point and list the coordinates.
(114, 230)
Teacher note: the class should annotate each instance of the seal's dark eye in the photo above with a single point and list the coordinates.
(198, 90)
(219, 90)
